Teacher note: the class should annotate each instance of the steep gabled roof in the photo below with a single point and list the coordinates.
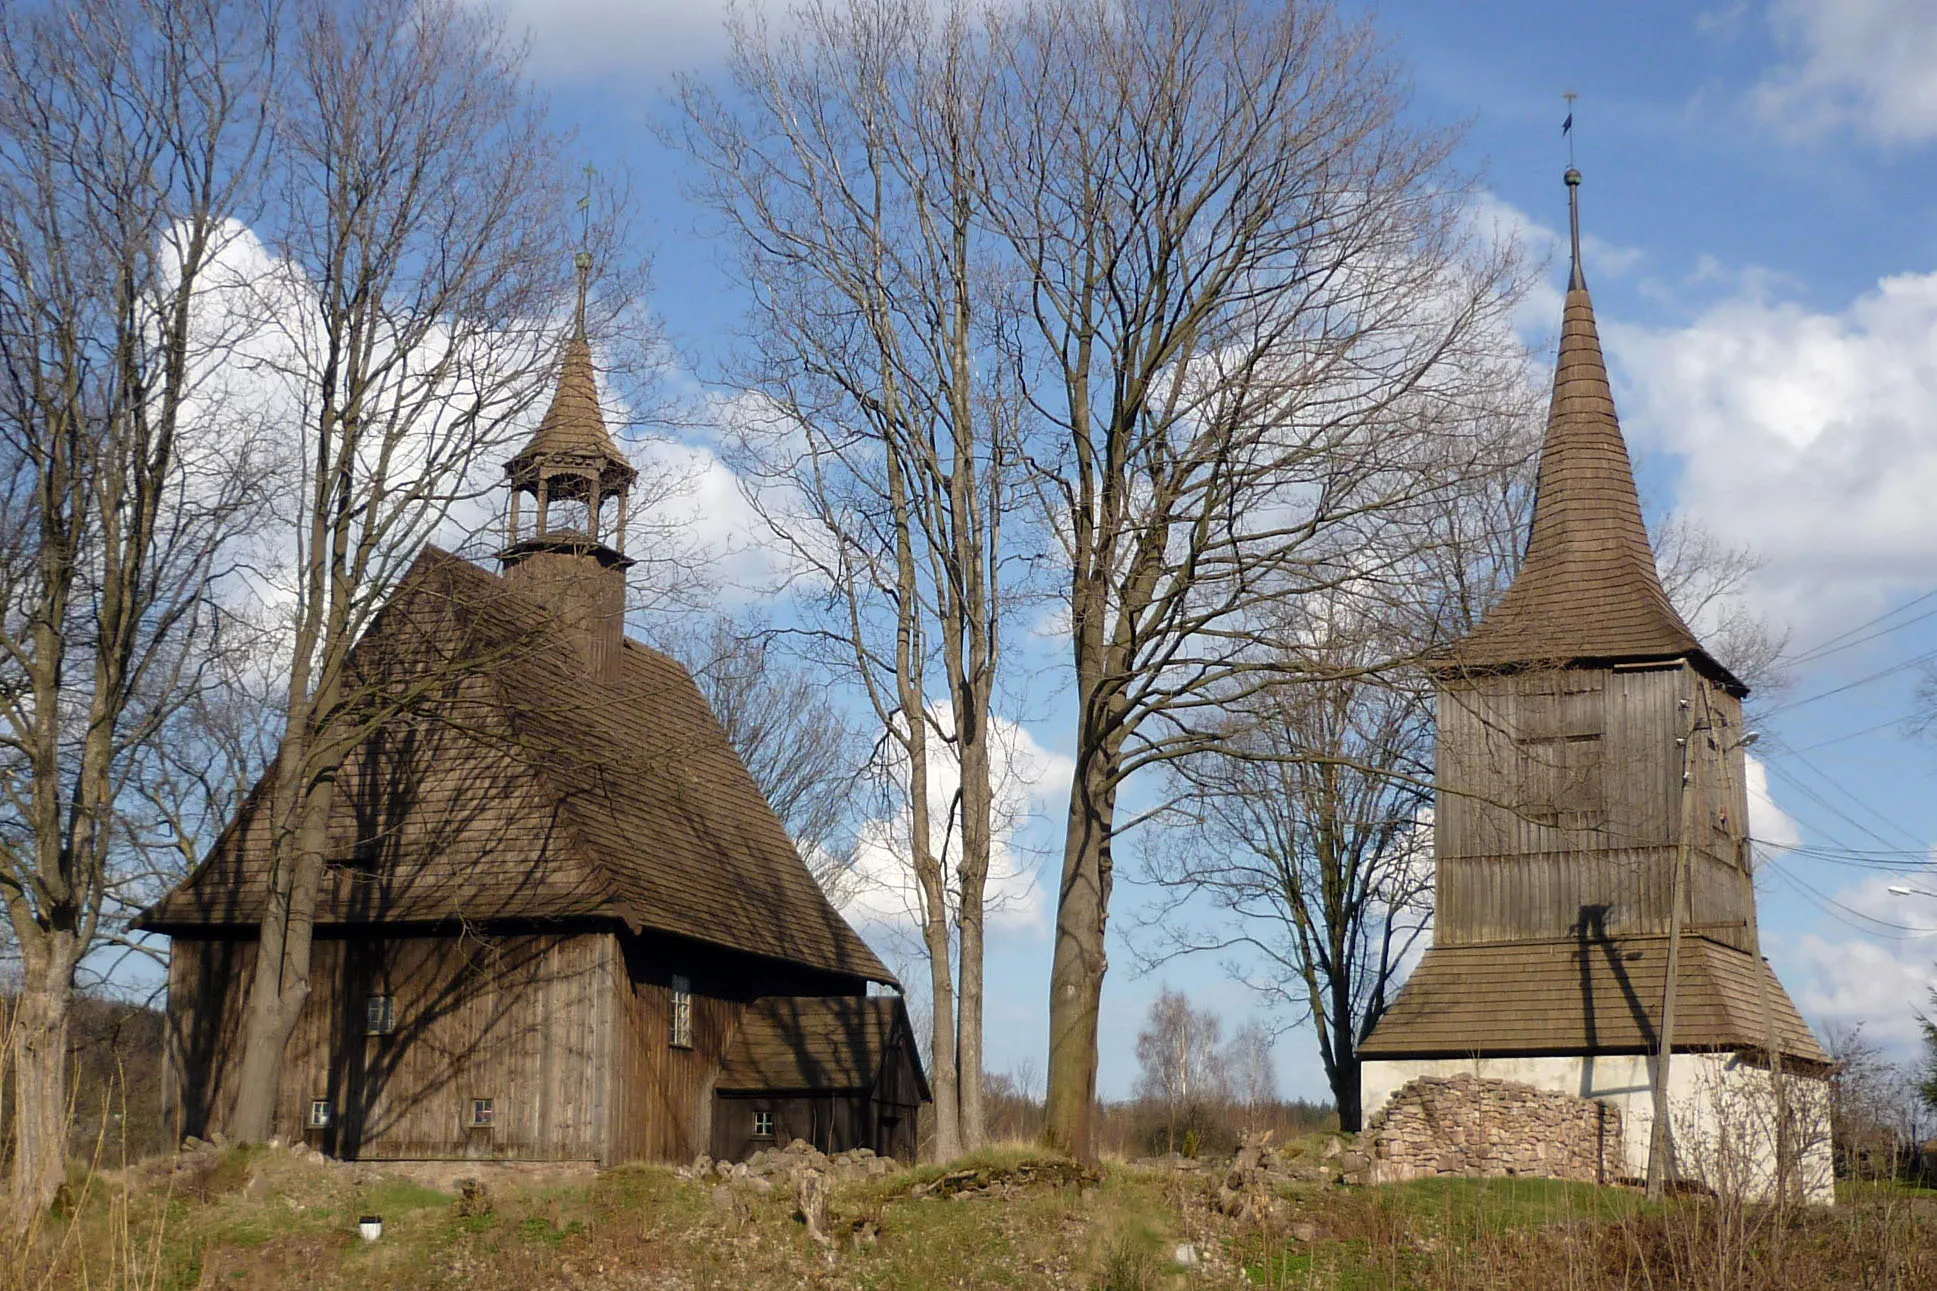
(517, 787)
(1588, 588)
(1583, 997)
(822, 1043)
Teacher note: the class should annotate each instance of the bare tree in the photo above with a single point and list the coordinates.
(881, 452)
(1180, 1059)
(807, 756)
(1309, 828)
(1707, 579)
(130, 134)
(1251, 1071)
(1261, 338)
(421, 248)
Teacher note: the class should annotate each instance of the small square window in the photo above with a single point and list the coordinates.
(379, 1015)
(763, 1125)
(320, 1113)
(484, 1114)
(682, 1012)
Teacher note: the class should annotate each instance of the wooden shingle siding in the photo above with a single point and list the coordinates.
(1585, 995)
(525, 787)
(1588, 588)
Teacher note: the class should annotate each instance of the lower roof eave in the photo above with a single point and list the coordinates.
(1795, 1063)
(789, 1091)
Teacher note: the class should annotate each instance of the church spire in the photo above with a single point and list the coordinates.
(1588, 587)
(571, 556)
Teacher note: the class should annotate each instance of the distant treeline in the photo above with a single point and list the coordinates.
(115, 1053)
(1138, 1127)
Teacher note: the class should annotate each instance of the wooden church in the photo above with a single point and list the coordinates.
(1591, 837)
(559, 920)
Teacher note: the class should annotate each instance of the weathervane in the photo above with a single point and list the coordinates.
(584, 257)
(1567, 126)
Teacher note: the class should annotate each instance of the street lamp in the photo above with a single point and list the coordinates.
(1896, 890)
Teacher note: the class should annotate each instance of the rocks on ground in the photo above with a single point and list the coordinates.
(782, 1165)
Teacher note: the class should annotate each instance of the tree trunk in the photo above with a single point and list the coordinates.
(942, 1042)
(281, 986)
(977, 810)
(1076, 972)
(1346, 1094)
(40, 1097)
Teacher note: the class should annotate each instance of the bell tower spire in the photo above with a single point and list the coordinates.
(1587, 587)
(572, 556)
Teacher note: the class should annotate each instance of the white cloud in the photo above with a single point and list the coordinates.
(1864, 979)
(1803, 435)
(1769, 824)
(709, 512)
(1866, 64)
(1537, 319)
(1028, 779)
(645, 37)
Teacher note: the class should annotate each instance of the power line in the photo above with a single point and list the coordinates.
(1853, 735)
(1849, 916)
(1916, 840)
(1914, 660)
(1831, 646)
(1801, 787)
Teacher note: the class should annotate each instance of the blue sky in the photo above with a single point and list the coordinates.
(1759, 198)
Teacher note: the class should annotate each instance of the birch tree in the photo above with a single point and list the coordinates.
(422, 244)
(130, 137)
(1261, 341)
(879, 431)
(1179, 1059)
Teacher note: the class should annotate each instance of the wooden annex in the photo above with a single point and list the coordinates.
(1591, 821)
(559, 920)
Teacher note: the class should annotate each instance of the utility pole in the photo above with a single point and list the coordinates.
(1661, 1142)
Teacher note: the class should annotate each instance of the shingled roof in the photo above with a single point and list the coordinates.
(573, 426)
(820, 1043)
(522, 788)
(1592, 997)
(1588, 588)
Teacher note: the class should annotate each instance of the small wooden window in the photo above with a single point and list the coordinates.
(320, 1113)
(379, 1015)
(484, 1114)
(763, 1125)
(682, 1012)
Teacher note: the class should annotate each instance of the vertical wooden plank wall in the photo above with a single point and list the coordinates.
(1560, 805)
(525, 1021)
(663, 1096)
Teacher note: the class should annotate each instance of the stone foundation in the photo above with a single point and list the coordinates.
(1475, 1126)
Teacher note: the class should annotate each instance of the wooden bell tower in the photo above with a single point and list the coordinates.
(572, 557)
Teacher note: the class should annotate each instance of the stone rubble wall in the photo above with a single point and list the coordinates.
(1478, 1126)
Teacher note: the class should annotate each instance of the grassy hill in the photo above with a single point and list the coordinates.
(269, 1218)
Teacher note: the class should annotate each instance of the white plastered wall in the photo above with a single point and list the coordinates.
(1722, 1109)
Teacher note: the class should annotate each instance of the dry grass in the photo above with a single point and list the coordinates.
(266, 1219)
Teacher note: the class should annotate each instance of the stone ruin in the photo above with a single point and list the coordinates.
(1477, 1126)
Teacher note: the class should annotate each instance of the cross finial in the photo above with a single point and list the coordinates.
(584, 257)
(1575, 278)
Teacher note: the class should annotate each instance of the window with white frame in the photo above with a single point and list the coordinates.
(682, 1012)
(379, 1015)
(319, 1113)
(484, 1114)
(763, 1125)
